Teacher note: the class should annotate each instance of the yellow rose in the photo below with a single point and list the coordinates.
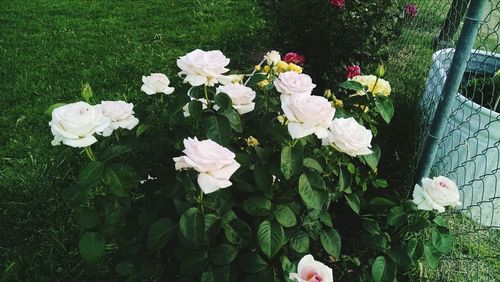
(263, 83)
(283, 66)
(258, 67)
(383, 87)
(295, 68)
(266, 69)
(252, 141)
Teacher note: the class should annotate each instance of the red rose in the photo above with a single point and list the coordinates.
(352, 71)
(294, 58)
(338, 3)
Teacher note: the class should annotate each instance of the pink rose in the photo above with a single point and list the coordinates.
(294, 58)
(337, 3)
(352, 71)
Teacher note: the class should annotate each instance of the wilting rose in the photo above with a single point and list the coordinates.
(307, 115)
(349, 137)
(156, 83)
(272, 57)
(310, 270)
(436, 194)
(338, 3)
(75, 124)
(241, 96)
(292, 83)
(352, 71)
(121, 115)
(202, 67)
(215, 163)
(294, 58)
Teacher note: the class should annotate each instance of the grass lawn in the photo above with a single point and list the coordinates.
(48, 49)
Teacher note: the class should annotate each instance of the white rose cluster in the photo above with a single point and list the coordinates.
(436, 194)
(215, 163)
(76, 124)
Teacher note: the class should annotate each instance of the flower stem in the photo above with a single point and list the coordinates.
(89, 153)
(201, 202)
(206, 96)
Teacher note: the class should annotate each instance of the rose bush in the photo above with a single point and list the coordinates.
(231, 179)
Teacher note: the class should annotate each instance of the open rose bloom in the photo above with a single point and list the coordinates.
(75, 124)
(292, 83)
(241, 97)
(310, 270)
(203, 67)
(349, 137)
(215, 163)
(436, 194)
(121, 115)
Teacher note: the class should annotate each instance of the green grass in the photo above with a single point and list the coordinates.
(48, 49)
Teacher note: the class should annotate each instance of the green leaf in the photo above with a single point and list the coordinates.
(270, 236)
(251, 262)
(313, 164)
(125, 268)
(195, 108)
(114, 152)
(216, 274)
(285, 216)
(353, 201)
(141, 129)
(192, 226)
(371, 226)
(223, 101)
(381, 201)
(291, 160)
(440, 221)
(385, 107)
(238, 232)
(351, 85)
(287, 265)
(310, 197)
(331, 242)
(316, 181)
(194, 263)
(162, 231)
(263, 178)
(431, 256)
(344, 180)
(399, 256)
(234, 119)
(223, 254)
(373, 159)
(88, 218)
(383, 270)
(91, 174)
(396, 216)
(91, 247)
(300, 242)
(415, 249)
(442, 240)
(53, 107)
(380, 183)
(219, 129)
(257, 205)
(121, 179)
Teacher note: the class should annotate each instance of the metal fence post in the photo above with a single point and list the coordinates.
(450, 88)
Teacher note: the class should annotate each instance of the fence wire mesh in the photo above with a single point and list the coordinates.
(469, 151)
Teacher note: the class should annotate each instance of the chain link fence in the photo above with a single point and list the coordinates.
(469, 151)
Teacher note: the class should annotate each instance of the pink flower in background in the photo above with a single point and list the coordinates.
(352, 71)
(294, 58)
(411, 9)
(338, 3)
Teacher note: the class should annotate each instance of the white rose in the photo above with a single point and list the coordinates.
(202, 67)
(436, 194)
(215, 163)
(292, 83)
(272, 57)
(75, 124)
(229, 79)
(156, 83)
(310, 270)
(121, 115)
(241, 97)
(307, 115)
(349, 137)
